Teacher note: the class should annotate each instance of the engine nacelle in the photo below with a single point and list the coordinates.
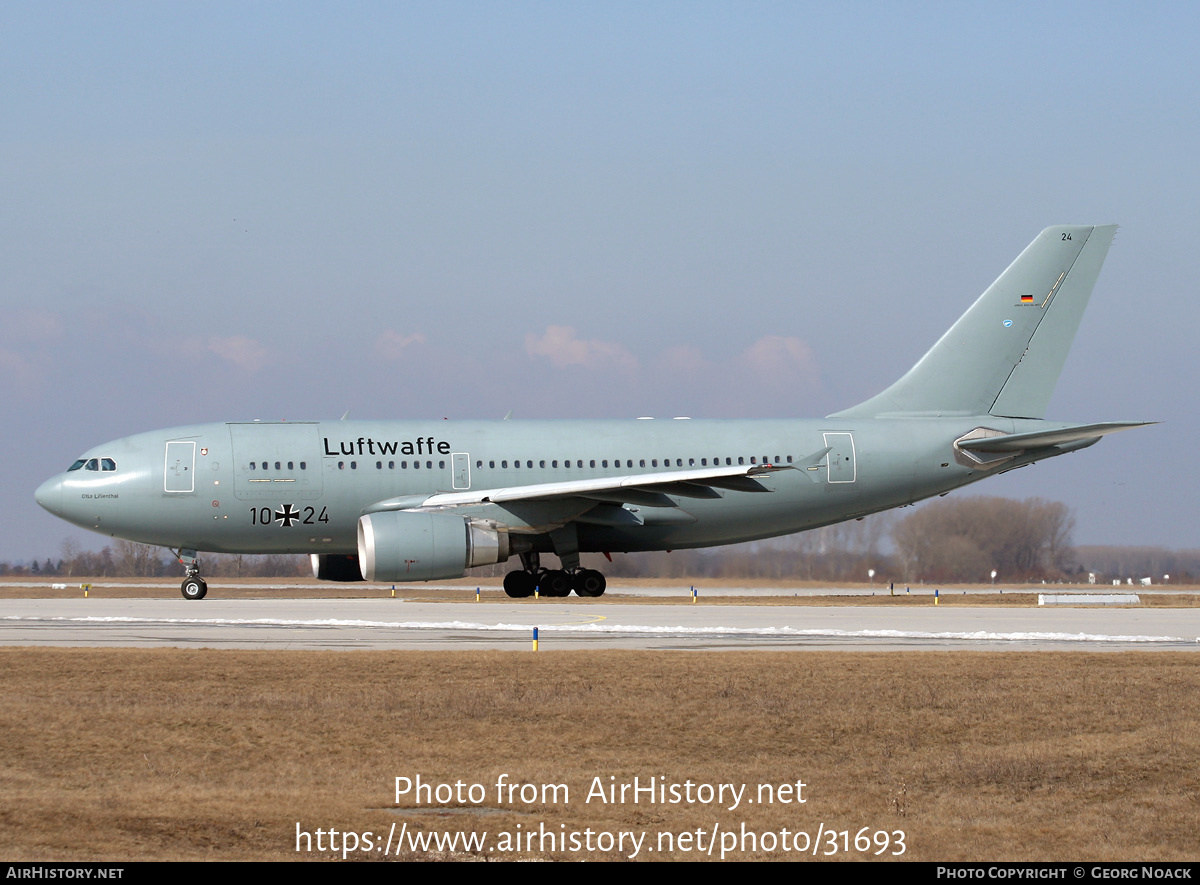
(336, 567)
(405, 545)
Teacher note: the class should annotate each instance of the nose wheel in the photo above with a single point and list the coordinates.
(193, 586)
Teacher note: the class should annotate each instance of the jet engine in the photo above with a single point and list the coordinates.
(405, 545)
(335, 567)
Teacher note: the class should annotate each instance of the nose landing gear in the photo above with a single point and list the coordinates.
(193, 586)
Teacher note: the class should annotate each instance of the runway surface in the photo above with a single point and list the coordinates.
(571, 624)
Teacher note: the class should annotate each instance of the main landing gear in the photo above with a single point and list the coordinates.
(193, 586)
(552, 582)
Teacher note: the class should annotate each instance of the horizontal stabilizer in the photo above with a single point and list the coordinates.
(1019, 442)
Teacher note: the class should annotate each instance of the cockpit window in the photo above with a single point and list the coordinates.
(106, 464)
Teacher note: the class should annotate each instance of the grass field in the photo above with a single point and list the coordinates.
(176, 754)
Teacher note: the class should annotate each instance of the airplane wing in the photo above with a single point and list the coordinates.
(647, 489)
(642, 489)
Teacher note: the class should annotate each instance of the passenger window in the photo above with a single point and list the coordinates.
(291, 465)
(492, 465)
(529, 464)
(478, 465)
(353, 465)
(341, 465)
(303, 465)
(542, 465)
(604, 463)
(653, 462)
(251, 465)
(441, 465)
(678, 462)
(428, 465)
(642, 463)
(416, 465)
(691, 462)
(789, 459)
(277, 465)
(554, 463)
(592, 463)
(703, 462)
(378, 465)
(264, 463)
(391, 465)
(741, 460)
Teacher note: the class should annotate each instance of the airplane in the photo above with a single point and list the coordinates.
(388, 501)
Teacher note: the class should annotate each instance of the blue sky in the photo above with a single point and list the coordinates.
(287, 210)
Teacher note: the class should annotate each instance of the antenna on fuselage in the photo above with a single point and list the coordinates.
(345, 415)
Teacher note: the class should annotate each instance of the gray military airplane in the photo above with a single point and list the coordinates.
(427, 500)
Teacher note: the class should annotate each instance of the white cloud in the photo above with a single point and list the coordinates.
(18, 374)
(33, 324)
(564, 348)
(391, 345)
(685, 358)
(782, 357)
(244, 352)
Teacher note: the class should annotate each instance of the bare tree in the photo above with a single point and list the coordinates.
(965, 539)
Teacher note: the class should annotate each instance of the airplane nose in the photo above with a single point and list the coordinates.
(49, 495)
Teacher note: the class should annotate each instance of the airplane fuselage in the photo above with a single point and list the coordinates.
(301, 487)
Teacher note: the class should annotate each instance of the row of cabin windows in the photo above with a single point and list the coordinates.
(691, 462)
(416, 465)
(666, 462)
(391, 465)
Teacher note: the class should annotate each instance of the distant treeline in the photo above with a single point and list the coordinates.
(951, 541)
(126, 559)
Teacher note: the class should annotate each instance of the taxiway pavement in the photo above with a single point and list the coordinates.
(576, 623)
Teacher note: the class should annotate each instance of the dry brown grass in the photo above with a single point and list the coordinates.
(177, 754)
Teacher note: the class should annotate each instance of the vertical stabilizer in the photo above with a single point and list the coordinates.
(1004, 355)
